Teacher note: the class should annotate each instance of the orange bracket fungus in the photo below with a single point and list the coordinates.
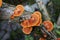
(34, 19)
(48, 25)
(40, 18)
(38, 13)
(0, 3)
(40, 21)
(27, 30)
(19, 10)
(25, 24)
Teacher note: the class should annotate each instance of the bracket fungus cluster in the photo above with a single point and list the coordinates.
(35, 20)
(1, 3)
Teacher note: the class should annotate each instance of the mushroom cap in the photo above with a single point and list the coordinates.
(25, 24)
(48, 25)
(18, 10)
(38, 13)
(40, 19)
(34, 19)
(27, 30)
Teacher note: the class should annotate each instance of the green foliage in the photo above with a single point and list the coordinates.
(16, 34)
(13, 35)
(54, 10)
(57, 30)
(56, 26)
(37, 31)
(28, 37)
(56, 2)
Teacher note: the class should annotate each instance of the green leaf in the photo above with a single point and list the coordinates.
(58, 32)
(56, 26)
